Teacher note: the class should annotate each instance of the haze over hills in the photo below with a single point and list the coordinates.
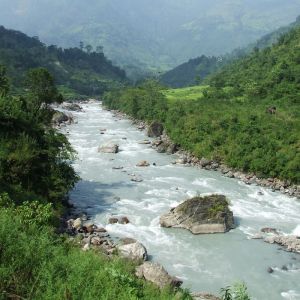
(151, 35)
(195, 70)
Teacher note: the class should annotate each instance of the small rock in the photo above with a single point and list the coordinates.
(204, 162)
(145, 142)
(136, 179)
(118, 168)
(156, 274)
(77, 224)
(113, 220)
(204, 296)
(134, 251)
(86, 247)
(155, 129)
(143, 163)
(270, 270)
(284, 268)
(109, 148)
(124, 220)
(96, 241)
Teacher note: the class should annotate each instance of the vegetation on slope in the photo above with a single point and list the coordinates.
(231, 121)
(196, 70)
(36, 263)
(75, 70)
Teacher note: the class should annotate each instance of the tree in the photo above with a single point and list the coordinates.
(81, 45)
(89, 48)
(4, 84)
(41, 88)
(99, 49)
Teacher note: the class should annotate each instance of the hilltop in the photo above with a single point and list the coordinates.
(196, 70)
(76, 71)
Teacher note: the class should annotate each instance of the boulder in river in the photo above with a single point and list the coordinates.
(143, 163)
(201, 215)
(145, 142)
(109, 148)
(289, 242)
(132, 249)
(60, 117)
(155, 129)
(156, 274)
(118, 220)
(72, 107)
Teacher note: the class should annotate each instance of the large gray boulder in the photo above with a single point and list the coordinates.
(201, 215)
(60, 117)
(290, 242)
(156, 274)
(132, 249)
(72, 107)
(109, 148)
(155, 129)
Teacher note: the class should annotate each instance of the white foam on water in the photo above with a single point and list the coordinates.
(291, 295)
(296, 231)
(193, 258)
(204, 182)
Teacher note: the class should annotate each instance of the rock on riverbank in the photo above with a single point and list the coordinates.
(201, 215)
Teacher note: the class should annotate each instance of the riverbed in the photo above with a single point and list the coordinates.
(203, 262)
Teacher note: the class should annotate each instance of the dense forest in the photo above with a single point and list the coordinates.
(196, 70)
(77, 70)
(247, 116)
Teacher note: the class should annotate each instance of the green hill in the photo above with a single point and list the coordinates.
(231, 121)
(76, 71)
(196, 70)
(150, 34)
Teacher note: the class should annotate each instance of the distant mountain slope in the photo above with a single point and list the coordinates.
(85, 73)
(195, 70)
(150, 34)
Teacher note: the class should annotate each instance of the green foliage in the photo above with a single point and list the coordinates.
(228, 120)
(37, 264)
(33, 156)
(145, 102)
(85, 73)
(4, 85)
(237, 292)
(41, 87)
(35, 213)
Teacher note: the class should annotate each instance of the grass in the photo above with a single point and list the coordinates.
(188, 93)
(35, 263)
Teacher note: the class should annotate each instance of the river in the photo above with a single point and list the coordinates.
(203, 262)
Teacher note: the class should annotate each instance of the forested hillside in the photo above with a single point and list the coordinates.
(75, 70)
(150, 34)
(196, 70)
(248, 116)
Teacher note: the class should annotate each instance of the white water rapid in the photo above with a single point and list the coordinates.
(204, 262)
